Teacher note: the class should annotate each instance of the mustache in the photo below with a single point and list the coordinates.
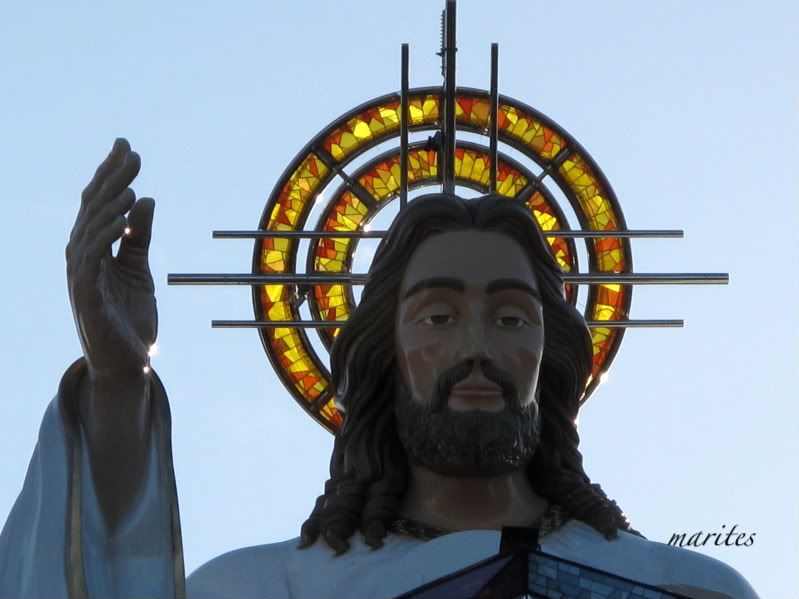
(461, 371)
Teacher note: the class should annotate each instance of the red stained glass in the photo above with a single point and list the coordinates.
(331, 415)
(519, 126)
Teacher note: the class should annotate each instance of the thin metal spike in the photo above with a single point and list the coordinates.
(640, 233)
(362, 278)
(404, 129)
(494, 112)
(328, 324)
(447, 159)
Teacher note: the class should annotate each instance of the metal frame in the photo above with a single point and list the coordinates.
(447, 127)
(327, 339)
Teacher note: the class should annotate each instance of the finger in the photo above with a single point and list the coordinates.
(113, 160)
(140, 223)
(135, 245)
(118, 180)
(115, 182)
(100, 244)
(89, 224)
(116, 207)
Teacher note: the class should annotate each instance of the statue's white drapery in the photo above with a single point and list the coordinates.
(55, 543)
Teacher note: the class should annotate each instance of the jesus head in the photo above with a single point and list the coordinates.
(462, 358)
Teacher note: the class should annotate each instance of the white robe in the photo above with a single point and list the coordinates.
(55, 544)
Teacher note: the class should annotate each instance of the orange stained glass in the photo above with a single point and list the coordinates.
(424, 109)
(349, 214)
(512, 122)
(608, 251)
(383, 180)
(602, 340)
(548, 221)
(330, 254)
(378, 122)
(473, 110)
(519, 126)
(476, 166)
(286, 212)
(609, 305)
(330, 414)
(598, 210)
(295, 362)
(592, 197)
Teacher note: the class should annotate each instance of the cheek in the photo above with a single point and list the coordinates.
(420, 362)
(526, 365)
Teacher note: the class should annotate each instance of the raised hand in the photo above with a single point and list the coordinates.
(113, 298)
(113, 302)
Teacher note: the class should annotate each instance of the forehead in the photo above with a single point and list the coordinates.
(475, 257)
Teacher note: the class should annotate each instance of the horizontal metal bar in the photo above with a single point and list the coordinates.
(333, 324)
(643, 233)
(360, 279)
(648, 278)
(270, 279)
(296, 234)
(638, 324)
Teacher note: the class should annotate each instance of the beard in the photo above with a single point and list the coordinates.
(469, 443)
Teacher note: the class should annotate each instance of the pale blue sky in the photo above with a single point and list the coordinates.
(688, 107)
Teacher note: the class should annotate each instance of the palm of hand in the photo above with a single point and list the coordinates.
(128, 314)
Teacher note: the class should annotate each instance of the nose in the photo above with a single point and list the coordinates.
(474, 343)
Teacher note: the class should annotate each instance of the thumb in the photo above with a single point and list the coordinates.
(140, 223)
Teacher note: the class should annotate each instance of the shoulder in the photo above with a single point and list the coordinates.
(680, 570)
(258, 571)
(693, 572)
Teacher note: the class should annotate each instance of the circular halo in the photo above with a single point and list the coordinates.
(372, 186)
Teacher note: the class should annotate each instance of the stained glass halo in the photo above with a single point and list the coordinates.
(377, 182)
(279, 288)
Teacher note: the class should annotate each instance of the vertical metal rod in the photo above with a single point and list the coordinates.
(404, 130)
(448, 162)
(493, 125)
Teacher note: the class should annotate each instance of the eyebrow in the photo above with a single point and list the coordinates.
(434, 283)
(517, 284)
(458, 285)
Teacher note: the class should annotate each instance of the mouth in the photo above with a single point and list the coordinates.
(476, 385)
(476, 393)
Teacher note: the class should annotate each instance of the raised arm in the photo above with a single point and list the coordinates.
(113, 302)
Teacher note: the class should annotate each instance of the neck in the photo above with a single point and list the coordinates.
(467, 503)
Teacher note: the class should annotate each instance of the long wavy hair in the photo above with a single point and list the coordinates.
(369, 467)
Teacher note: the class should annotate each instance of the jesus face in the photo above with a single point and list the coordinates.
(469, 341)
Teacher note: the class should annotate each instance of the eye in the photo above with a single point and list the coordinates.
(511, 322)
(438, 319)
(510, 318)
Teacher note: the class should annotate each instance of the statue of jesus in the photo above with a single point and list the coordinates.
(459, 377)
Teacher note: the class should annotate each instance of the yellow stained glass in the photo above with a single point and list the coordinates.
(608, 252)
(330, 414)
(377, 123)
(291, 203)
(517, 125)
(381, 181)
(330, 254)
